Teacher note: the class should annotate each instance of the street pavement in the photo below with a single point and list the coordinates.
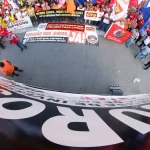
(79, 68)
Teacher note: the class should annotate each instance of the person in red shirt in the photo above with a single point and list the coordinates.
(8, 69)
(148, 30)
(140, 23)
(37, 8)
(15, 40)
(3, 32)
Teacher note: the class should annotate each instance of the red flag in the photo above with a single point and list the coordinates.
(117, 34)
(133, 3)
(6, 4)
(112, 2)
(71, 7)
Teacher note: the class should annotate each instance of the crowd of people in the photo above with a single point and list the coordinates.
(18, 9)
(132, 21)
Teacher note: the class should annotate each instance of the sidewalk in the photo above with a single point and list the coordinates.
(79, 68)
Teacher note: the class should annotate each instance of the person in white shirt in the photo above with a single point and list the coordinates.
(104, 25)
(145, 42)
(80, 7)
(100, 14)
(144, 52)
(24, 13)
(134, 36)
(6, 18)
(18, 14)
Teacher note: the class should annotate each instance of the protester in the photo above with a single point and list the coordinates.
(127, 23)
(134, 36)
(143, 34)
(18, 14)
(104, 25)
(8, 69)
(140, 22)
(31, 14)
(100, 16)
(15, 40)
(147, 65)
(80, 7)
(145, 42)
(144, 52)
(3, 32)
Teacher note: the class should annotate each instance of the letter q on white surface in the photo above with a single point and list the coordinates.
(28, 112)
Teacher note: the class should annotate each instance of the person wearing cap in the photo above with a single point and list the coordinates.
(8, 69)
(15, 40)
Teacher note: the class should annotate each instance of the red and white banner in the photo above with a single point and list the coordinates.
(65, 26)
(62, 36)
(117, 34)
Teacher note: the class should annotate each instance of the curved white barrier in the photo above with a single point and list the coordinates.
(75, 120)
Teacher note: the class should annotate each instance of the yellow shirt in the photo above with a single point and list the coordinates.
(4, 24)
(20, 2)
(12, 18)
(31, 12)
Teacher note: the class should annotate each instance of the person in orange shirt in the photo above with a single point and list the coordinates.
(8, 69)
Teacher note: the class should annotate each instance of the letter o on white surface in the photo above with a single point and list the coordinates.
(31, 111)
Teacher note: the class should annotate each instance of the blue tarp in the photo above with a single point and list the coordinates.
(146, 11)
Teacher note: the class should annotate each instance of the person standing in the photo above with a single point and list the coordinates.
(104, 25)
(144, 52)
(31, 14)
(15, 40)
(134, 36)
(145, 42)
(143, 33)
(8, 69)
(147, 65)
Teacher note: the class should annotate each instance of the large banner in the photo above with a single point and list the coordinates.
(62, 36)
(37, 119)
(59, 13)
(65, 26)
(117, 34)
(20, 24)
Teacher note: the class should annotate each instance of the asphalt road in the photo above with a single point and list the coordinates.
(79, 68)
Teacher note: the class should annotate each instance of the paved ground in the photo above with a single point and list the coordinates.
(79, 68)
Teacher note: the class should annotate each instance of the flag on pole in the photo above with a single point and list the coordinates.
(71, 6)
(120, 8)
